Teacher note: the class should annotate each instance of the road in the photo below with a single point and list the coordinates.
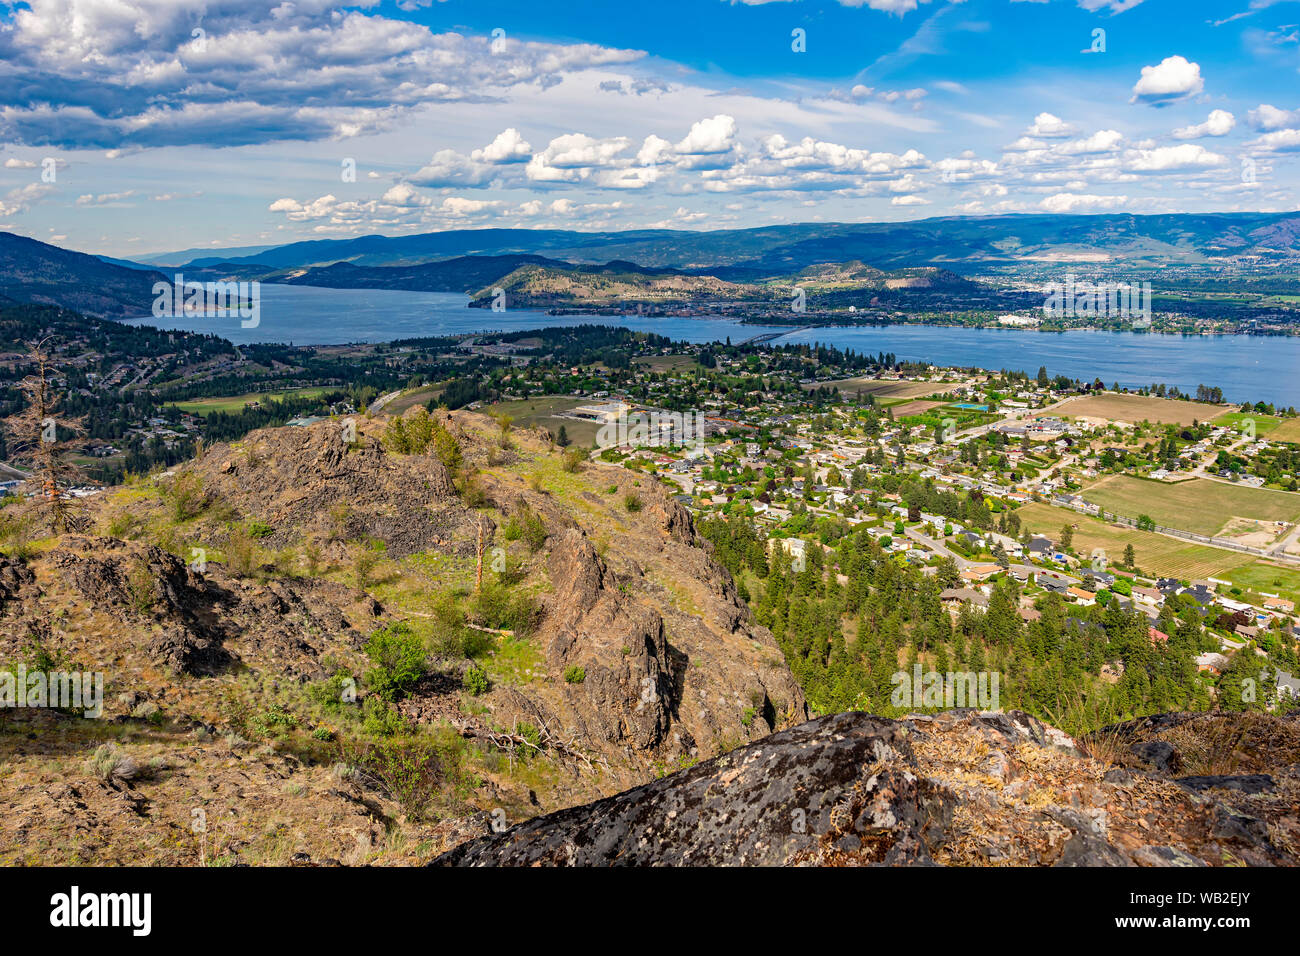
(938, 547)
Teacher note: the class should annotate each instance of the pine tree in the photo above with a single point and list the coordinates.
(35, 434)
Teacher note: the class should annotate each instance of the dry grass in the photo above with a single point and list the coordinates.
(1247, 742)
(1136, 408)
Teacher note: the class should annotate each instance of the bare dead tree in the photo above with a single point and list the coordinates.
(41, 433)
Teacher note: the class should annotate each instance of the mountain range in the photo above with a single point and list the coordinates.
(964, 244)
(560, 266)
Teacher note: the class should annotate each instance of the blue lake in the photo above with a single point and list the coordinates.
(1246, 367)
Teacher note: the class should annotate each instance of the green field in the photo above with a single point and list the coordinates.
(1158, 554)
(1198, 505)
(1259, 576)
(946, 416)
(235, 403)
(1264, 424)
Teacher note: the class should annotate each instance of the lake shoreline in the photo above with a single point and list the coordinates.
(1246, 366)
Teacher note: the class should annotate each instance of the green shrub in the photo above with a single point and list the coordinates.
(476, 680)
(109, 761)
(187, 496)
(526, 525)
(363, 564)
(530, 734)
(410, 773)
(450, 637)
(574, 674)
(379, 718)
(573, 459)
(332, 692)
(397, 657)
(142, 588)
(632, 502)
(273, 722)
(473, 494)
(241, 551)
(495, 606)
(447, 450)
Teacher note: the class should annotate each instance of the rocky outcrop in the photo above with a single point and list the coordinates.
(200, 624)
(16, 579)
(957, 788)
(655, 681)
(628, 683)
(312, 482)
(772, 802)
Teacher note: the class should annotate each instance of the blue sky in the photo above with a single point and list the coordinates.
(138, 126)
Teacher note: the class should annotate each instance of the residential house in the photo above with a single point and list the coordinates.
(1211, 662)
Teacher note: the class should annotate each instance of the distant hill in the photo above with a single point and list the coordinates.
(541, 282)
(428, 247)
(462, 274)
(612, 284)
(200, 256)
(33, 271)
(963, 245)
(834, 276)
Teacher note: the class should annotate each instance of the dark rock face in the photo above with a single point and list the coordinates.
(1158, 754)
(1245, 782)
(956, 788)
(15, 577)
(810, 794)
(185, 652)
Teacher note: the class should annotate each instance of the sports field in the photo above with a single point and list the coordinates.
(1198, 505)
(540, 412)
(1138, 408)
(417, 396)
(235, 403)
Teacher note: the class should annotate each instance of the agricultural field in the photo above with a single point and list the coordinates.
(1263, 577)
(1158, 554)
(1287, 431)
(873, 386)
(235, 403)
(667, 363)
(940, 415)
(541, 412)
(912, 407)
(1199, 505)
(1137, 408)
